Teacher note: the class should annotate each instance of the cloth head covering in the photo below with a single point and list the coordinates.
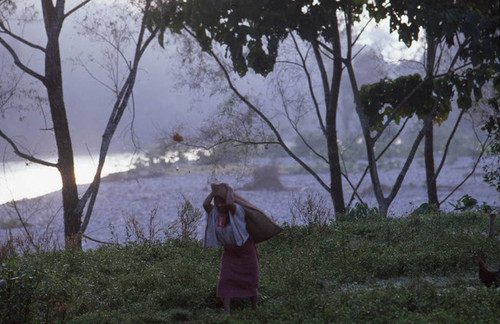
(260, 226)
(219, 190)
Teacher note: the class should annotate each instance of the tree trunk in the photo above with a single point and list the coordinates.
(337, 191)
(53, 82)
(430, 171)
(369, 142)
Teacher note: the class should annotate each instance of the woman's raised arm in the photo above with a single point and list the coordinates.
(207, 204)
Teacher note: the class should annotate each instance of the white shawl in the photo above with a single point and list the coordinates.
(236, 221)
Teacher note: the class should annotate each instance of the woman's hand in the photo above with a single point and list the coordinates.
(207, 204)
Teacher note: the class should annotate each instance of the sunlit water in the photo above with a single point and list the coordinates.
(20, 180)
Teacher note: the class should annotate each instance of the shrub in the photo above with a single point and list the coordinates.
(425, 209)
(186, 225)
(7, 248)
(312, 211)
(417, 269)
(360, 211)
(468, 203)
(135, 231)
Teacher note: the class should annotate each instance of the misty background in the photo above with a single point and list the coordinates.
(161, 100)
(167, 93)
(158, 103)
(179, 91)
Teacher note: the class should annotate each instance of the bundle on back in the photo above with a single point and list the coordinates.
(260, 226)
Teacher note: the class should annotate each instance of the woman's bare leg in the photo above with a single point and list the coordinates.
(226, 301)
(254, 302)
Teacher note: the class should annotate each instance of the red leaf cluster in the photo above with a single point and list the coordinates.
(177, 137)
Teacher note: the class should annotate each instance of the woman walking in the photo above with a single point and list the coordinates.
(226, 226)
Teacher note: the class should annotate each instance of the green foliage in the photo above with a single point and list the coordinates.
(380, 100)
(465, 203)
(251, 31)
(468, 203)
(472, 27)
(22, 286)
(425, 209)
(360, 211)
(109, 284)
(492, 168)
(416, 269)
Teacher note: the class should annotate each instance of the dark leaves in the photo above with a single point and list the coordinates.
(251, 31)
(387, 96)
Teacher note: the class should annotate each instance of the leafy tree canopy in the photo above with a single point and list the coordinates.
(251, 31)
(383, 98)
(471, 26)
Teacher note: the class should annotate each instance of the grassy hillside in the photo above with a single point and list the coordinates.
(417, 269)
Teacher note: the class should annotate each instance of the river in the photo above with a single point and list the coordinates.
(119, 201)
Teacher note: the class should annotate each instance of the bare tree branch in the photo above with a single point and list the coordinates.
(309, 83)
(378, 157)
(6, 31)
(113, 45)
(13, 204)
(97, 79)
(325, 47)
(18, 62)
(322, 70)
(440, 57)
(361, 32)
(76, 8)
(358, 52)
(289, 62)
(115, 117)
(9, 93)
(354, 189)
(411, 155)
(445, 153)
(326, 54)
(24, 155)
(263, 117)
(459, 51)
(100, 242)
(295, 127)
(483, 149)
(227, 141)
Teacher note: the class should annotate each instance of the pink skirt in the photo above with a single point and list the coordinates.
(239, 271)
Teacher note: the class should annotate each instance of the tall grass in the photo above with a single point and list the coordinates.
(417, 269)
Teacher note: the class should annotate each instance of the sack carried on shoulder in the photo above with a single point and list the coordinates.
(260, 226)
